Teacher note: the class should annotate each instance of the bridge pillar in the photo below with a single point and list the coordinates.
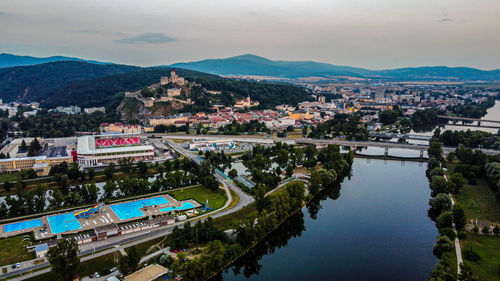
(386, 152)
(421, 154)
(479, 123)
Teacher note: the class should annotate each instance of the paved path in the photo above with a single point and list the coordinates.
(458, 249)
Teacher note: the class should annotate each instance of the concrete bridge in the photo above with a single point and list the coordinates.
(399, 136)
(318, 142)
(466, 120)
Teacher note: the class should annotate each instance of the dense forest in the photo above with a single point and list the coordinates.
(38, 82)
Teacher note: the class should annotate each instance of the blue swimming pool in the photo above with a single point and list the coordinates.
(185, 205)
(130, 210)
(63, 223)
(22, 225)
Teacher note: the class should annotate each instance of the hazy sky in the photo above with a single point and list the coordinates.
(367, 33)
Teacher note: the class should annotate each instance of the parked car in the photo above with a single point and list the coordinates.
(91, 275)
(113, 269)
(96, 275)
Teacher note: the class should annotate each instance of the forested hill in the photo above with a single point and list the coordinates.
(108, 91)
(39, 82)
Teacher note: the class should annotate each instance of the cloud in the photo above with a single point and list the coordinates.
(147, 38)
(446, 18)
(86, 31)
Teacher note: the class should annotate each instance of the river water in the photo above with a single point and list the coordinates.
(374, 226)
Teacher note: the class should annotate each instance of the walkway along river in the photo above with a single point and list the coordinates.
(372, 227)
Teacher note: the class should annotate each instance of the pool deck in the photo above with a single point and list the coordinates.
(104, 217)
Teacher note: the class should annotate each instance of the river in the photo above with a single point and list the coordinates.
(372, 227)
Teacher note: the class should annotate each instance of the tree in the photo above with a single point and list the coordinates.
(438, 204)
(260, 197)
(485, 230)
(435, 150)
(91, 173)
(109, 171)
(233, 173)
(315, 182)
(465, 273)
(128, 264)
(289, 171)
(459, 216)
(438, 185)
(444, 220)
(496, 230)
(143, 167)
(64, 258)
(443, 244)
(458, 180)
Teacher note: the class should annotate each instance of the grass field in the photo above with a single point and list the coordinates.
(216, 199)
(479, 202)
(12, 177)
(143, 247)
(488, 247)
(13, 250)
(225, 221)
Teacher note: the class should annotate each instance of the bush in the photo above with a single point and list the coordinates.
(496, 230)
(476, 229)
(471, 255)
(448, 232)
(461, 234)
(485, 230)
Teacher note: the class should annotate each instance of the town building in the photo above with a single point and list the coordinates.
(246, 103)
(119, 128)
(91, 110)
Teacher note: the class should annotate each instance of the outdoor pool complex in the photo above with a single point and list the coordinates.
(185, 205)
(130, 210)
(63, 223)
(22, 225)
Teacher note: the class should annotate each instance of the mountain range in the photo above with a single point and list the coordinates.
(258, 66)
(9, 60)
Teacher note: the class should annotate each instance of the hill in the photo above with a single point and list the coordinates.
(108, 91)
(9, 60)
(259, 66)
(38, 82)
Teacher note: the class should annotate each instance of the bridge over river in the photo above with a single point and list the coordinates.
(319, 142)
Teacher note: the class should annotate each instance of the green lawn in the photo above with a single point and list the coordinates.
(479, 202)
(488, 247)
(225, 221)
(13, 250)
(216, 199)
(12, 177)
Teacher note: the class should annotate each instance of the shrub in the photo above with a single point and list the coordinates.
(486, 230)
(461, 234)
(496, 230)
(476, 229)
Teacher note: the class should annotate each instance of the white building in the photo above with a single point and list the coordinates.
(91, 110)
(102, 150)
(211, 145)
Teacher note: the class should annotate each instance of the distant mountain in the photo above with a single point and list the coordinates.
(254, 65)
(38, 82)
(9, 60)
